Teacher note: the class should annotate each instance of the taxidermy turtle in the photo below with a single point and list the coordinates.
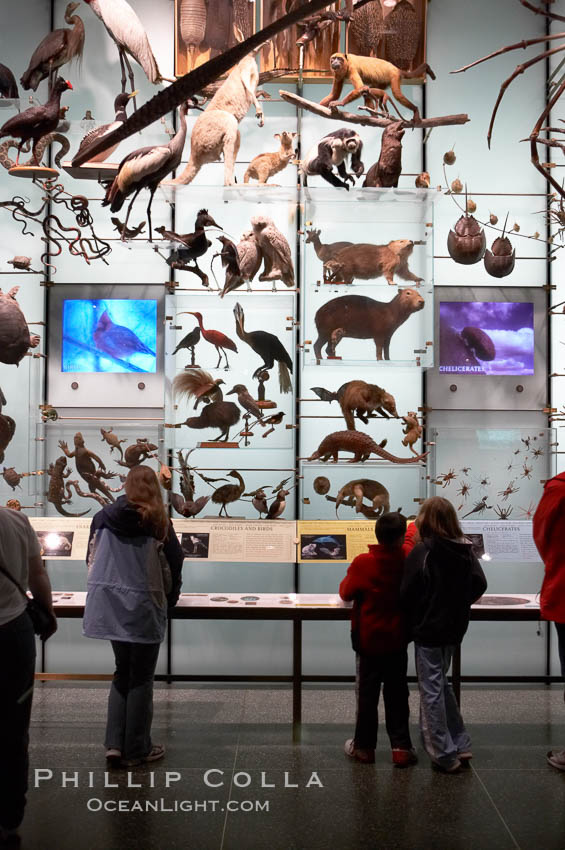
(7, 428)
(15, 338)
(467, 242)
(500, 260)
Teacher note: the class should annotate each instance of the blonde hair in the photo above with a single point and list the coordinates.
(143, 491)
(437, 518)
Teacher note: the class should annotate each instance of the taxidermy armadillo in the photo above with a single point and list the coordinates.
(360, 444)
(192, 20)
(15, 338)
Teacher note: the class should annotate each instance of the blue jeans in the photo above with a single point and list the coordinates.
(130, 704)
(17, 651)
(441, 725)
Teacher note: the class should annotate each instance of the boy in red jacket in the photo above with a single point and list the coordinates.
(379, 638)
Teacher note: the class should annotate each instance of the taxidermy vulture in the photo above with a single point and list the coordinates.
(250, 258)
(275, 249)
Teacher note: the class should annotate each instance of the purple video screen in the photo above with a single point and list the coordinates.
(486, 337)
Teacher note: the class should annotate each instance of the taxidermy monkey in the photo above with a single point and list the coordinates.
(386, 171)
(332, 150)
(215, 132)
(370, 76)
(412, 429)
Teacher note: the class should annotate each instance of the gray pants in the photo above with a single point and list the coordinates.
(441, 725)
(130, 704)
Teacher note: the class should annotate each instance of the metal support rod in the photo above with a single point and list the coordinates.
(296, 680)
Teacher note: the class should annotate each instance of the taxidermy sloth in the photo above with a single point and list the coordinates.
(332, 150)
(215, 132)
(370, 77)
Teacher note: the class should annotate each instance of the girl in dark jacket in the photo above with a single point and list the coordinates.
(442, 579)
(129, 590)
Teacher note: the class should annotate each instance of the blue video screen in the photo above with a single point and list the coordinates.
(109, 335)
(486, 337)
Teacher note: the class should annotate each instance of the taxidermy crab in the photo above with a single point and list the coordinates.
(555, 95)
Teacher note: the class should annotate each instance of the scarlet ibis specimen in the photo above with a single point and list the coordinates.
(219, 340)
(117, 340)
(120, 105)
(37, 121)
(228, 493)
(268, 347)
(8, 85)
(56, 49)
(145, 168)
(198, 384)
(124, 27)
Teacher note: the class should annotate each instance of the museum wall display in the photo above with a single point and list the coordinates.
(291, 318)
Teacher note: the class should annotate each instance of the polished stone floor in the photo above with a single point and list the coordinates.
(510, 798)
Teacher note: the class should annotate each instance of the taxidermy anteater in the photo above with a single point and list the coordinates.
(360, 444)
(358, 398)
(365, 261)
(360, 317)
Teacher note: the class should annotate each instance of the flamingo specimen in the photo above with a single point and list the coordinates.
(145, 168)
(124, 27)
(219, 340)
(56, 49)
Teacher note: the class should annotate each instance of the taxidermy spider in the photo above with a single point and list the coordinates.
(484, 482)
(508, 492)
(527, 471)
(502, 513)
(446, 478)
(463, 491)
(538, 452)
(526, 442)
(466, 470)
(558, 89)
(527, 513)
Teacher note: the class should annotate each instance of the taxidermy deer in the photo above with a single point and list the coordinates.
(265, 165)
(329, 250)
(216, 130)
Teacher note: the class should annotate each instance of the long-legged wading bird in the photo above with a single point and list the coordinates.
(37, 121)
(145, 168)
(120, 106)
(268, 347)
(216, 338)
(56, 49)
(125, 28)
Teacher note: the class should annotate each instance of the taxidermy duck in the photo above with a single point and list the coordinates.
(120, 106)
(55, 50)
(228, 493)
(37, 121)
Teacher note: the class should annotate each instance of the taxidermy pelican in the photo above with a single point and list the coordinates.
(145, 168)
(56, 49)
(124, 27)
(120, 106)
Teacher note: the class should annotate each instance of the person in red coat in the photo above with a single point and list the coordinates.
(379, 638)
(548, 527)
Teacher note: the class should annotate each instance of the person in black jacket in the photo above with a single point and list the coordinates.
(442, 579)
(129, 590)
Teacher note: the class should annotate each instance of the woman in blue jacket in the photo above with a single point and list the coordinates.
(134, 575)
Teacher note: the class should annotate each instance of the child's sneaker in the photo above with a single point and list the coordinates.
(363, 756)
(403, 758)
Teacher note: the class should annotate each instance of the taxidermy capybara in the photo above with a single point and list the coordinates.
(367, 262)
(360, 317)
